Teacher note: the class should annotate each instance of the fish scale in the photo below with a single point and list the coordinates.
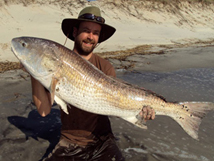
(72, 80)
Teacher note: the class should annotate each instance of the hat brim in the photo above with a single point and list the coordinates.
(68, 24)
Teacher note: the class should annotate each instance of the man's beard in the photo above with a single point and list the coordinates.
(84, 50)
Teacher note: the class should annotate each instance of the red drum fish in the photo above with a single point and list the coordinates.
(73, 80)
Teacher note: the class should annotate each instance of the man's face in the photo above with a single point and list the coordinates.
(86, 37)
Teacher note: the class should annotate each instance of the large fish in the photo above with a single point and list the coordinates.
(73, 80)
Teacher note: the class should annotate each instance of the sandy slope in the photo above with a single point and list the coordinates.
(137, 22)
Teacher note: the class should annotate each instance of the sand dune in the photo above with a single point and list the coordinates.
(137, 22)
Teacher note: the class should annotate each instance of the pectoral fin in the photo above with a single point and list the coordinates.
(52, 88)
(59, 101)
(62, 104)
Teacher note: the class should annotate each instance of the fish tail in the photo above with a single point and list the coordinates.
(194, 113)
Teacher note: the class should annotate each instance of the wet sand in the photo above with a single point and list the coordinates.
(25, 135)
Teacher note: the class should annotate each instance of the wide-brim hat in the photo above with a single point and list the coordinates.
(91, 14)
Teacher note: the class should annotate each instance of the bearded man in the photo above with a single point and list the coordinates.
(84, 135)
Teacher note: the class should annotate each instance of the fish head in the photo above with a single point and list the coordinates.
(38, 56)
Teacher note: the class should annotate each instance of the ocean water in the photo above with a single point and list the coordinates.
(196, 84)
(165, 139)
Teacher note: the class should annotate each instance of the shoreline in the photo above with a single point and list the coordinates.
(116, 57)
(149, 49)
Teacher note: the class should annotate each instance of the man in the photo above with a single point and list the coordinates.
(84, 135)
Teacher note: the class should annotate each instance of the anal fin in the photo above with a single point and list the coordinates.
(136, 120)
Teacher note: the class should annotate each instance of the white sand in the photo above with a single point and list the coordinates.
(154, 24)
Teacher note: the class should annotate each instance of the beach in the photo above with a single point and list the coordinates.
(168, 49)
(136, 23)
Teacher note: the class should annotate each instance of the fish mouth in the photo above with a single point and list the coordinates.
(12, 49)
(16, 43)
(13, 44)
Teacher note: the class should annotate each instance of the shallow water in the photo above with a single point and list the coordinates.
(195, 84)
(165, 139)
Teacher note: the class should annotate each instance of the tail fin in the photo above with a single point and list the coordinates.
(195, 112)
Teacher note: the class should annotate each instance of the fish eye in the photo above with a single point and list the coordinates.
(24, 44)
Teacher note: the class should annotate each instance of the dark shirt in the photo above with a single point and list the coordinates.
(81, 127)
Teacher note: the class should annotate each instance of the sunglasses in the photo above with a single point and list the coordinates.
(92, 17)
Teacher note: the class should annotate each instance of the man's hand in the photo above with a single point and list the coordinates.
(148, 113)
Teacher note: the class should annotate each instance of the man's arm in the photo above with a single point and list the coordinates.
(41, 97)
